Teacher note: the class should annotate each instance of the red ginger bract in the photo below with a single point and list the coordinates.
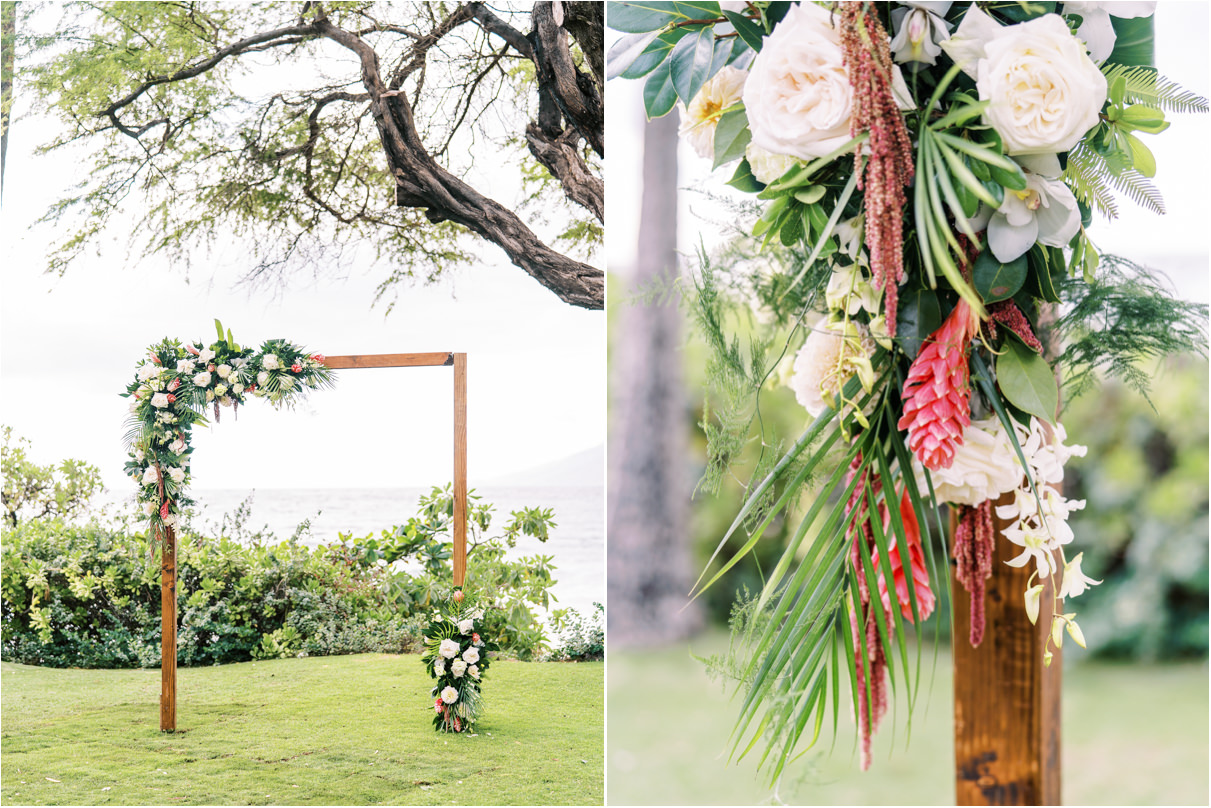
(916, 556)
(936, 407)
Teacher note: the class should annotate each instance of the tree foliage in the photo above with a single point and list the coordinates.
(33, 491)
(322, 133)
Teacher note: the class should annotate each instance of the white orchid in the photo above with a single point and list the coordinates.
(1045, 212)
(919, 29)
(1097, 31)
(1075, 581)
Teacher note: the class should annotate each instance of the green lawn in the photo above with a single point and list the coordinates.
(325, 730)
(1132, 735)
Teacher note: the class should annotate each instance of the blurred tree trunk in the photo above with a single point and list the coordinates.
(648, 539)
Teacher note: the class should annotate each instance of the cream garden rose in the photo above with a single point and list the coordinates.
(798, 98)
(701, 116)
(1045, 91)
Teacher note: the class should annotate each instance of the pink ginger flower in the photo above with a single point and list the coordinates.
(192, 350)
(916, 557)
(164, 509)
(296, 368)
(936, 407)
(319, 357)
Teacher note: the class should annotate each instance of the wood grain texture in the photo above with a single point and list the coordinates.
(460, 468)
(400, 360)
(168, 631)
(1007, 705)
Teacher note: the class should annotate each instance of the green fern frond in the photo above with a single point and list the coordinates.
(1088, 183)
(1146, 86)
(1089, 171)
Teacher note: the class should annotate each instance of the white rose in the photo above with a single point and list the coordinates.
(220, 390)
(765, 165)
(170, 520)
(1045, 91)
(471, 656)
(202, 379)
(449, 695)
(439, 667)
(177, 474)
(237, 388)
(474, 671)
(177, 446)
(139, 455)
(466, 626)
(827, 359)
(184, 366)
(698, 120)
(269, 362)
(147, 372)
(224, 371)
(985, 466)
(448, 649)
(798, 97)
(149, 476)
(150, 508)
(210, 395)
(206, 355)
(159, 400)
(458, 668)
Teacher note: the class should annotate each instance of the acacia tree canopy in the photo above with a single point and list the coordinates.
(314, 131)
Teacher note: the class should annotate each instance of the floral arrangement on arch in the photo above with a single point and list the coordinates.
(175, 386)
(924, 177)
(457, 657)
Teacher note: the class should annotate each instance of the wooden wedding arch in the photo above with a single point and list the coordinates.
(168, 565)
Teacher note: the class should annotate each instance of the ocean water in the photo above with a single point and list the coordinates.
(577, 543)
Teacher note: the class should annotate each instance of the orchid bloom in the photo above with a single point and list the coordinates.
(1075, 581)
(919, 29)
(1045, 212)
(1096, 30)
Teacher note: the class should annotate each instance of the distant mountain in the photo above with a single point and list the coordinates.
(582, 469)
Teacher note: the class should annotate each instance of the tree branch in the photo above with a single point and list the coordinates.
(422, 183)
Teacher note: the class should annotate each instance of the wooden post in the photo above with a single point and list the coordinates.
(1007, 705)
(460, 468)
(168, 631)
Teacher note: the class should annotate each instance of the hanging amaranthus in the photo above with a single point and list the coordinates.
(889, 165)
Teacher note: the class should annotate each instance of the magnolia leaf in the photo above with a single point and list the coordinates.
(732, 135)
(658, 93)
(1141, 156)
(626, 51)
(749, 32)
(919, 316)
(810, 195)
(1027, 381)
(654, 54)
(691, 62)
(996, 281)
(638, 18)
(744, 180)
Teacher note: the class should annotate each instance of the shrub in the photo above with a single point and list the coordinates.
(581, 639)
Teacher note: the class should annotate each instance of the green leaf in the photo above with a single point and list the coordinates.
(640, 17)
(1042, 286)
(919, 316)
(691, 62)
(626, 51)
(1027, 381)
(732, 135)
(810, 195)
(744, 180)
(659, 97)
(654, 54)
(1141, 156)
(750, 32)
(1134, 42)
(996, 281)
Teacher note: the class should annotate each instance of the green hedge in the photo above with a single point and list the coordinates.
(88, 596)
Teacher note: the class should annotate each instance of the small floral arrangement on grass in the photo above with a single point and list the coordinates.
(457, 657)
(924, 178)
(174, 388)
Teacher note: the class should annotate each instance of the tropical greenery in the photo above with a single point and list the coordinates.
(86, 592)
(917, 223)
(35, 491)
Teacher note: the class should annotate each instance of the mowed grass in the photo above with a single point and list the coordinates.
(325, 730)
(1132, 735)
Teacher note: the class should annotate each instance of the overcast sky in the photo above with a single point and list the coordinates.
(1183, 174)
(68, 347)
